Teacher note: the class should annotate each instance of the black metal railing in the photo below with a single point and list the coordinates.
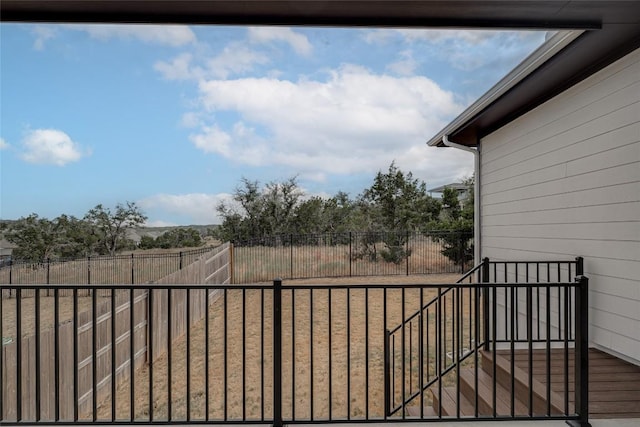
(431, 344)
(102, 270)
(304, 256)
(272, 353)
(125, 354)
(515, 312)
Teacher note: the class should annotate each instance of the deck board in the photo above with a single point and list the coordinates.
(614, 385)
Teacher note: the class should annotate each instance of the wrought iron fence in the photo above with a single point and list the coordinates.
(304, 256)
(272, 353)
(131, 269)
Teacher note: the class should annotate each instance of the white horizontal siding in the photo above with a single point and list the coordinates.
(604, 213)
(568, 246)
(564, 181)
(618, 231)
(604, 132)
(568, 105)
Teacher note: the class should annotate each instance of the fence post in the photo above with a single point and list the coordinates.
(10, 271)
(387, 376)
(291, 255)
(406, 251)
(579, 266)
(277, 353)
(581, 367)
(48, 269)
(231, 272)
(485, 301)
(461, 245)
(88, 270)
(350, 254)
(180, 268)
(132, 270)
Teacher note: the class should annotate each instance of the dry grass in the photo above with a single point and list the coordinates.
(345, 395)
(261, 263)
(237, 393)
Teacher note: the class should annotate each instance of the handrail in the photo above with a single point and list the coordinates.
(434, 300)
(417, 313)
(485, 268)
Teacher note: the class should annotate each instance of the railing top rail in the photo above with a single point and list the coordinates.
(573, 261)
(144, 286)
(469, 273)
(307, 286)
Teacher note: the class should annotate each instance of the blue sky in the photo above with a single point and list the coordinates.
(172, 117)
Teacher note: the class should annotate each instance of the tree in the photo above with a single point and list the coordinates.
(280, 202)
(395, 204)
(455, 226)
(178, 238)
(147, 242)
(79, 239)
(110, 227)
(260, 211)
(399, 202)
(310, 216)
(320, 215)
(36, 238)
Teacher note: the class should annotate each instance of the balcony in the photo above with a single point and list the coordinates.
(507, 342)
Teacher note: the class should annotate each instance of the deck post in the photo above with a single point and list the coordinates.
(485, 301)
(277, 353)
(581, 355)
(387, 375)
(579, 266)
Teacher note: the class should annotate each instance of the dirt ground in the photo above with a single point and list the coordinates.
(332, 352)
(327, 383)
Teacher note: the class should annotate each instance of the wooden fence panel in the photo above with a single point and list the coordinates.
(212, 267)
(67, 368)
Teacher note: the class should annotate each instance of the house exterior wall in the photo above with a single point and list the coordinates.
(564, 181)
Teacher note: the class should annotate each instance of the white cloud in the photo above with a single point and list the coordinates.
(50, 146)
(472, 37)
(235, 58)
(179, 68)
(169, 35)
(406, 66)
(197, 208)
(4, 144)
(463, 49)
(42, 34)
(298, 42)
(190, 119)
(354, 122)
(213, 140)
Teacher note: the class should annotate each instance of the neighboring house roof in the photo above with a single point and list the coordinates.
(458, 186)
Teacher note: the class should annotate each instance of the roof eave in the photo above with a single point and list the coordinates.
(528, 66)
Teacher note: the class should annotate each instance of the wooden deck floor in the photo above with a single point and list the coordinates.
(614, 385)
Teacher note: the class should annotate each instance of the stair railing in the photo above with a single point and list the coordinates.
(446, 354)
(450, 328)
